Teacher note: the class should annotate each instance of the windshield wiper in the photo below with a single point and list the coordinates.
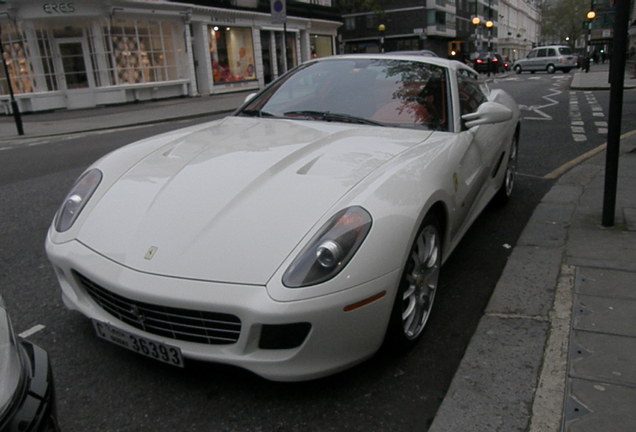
(257, 113)
(331, 116)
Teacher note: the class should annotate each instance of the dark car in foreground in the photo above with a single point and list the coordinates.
(488, 62)
(27, 396)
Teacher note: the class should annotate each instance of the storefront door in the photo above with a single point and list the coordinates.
(75, 66)
(74, 63)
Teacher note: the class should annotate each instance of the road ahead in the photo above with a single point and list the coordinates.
(105, 388)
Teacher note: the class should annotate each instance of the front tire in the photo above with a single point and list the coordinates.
(414, 299)
(517, 70)
(505, 190)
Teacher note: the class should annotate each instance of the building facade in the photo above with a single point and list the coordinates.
(85, 53)
(446, 27)
(401, 25)
(519, 27)
(601, 29)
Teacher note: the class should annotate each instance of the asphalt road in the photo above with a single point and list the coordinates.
(103, 387)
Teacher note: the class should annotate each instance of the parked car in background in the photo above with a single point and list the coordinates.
(27, 396)
(488, 62)
(298, 235)
(547, 58)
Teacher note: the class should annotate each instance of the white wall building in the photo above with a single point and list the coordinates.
(519, 27)
(85, 53)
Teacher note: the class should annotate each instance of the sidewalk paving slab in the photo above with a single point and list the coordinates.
(576, 281)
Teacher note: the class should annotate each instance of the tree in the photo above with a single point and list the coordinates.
(563, 18)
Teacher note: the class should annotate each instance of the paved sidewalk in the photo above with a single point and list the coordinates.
(598, 78)
(556, 347)
(62, 122)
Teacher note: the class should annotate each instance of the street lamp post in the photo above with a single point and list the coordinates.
(590, 17)
(476, 21)
(381, 29)
(489, 25)
(14, 104)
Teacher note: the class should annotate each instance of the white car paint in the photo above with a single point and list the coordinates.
(210, 217)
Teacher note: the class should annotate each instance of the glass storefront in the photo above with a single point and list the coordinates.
(132, 52)
(232, 54)
(321, 46)
(16, 57)
(141, 51)
(292, 50)
(274, 63)
(73, 64)
(92, 55)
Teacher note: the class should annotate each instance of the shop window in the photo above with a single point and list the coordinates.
(46, 59)
(231, 54)
(321, 46)
(103, 73)
(143, 51)
(16, 57)
(292, 53)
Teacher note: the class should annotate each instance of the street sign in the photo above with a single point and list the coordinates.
(279, 11)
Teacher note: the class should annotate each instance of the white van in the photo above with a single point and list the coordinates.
(547, 58)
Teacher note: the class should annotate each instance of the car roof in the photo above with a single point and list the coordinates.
(438, 61)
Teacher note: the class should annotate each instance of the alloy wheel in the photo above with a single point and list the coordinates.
(420, 281)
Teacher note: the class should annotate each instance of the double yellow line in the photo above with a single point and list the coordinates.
(568, 165)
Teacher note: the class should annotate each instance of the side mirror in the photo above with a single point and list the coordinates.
(488, 113)
(249, 97)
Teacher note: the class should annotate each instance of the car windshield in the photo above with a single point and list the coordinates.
(381, 92)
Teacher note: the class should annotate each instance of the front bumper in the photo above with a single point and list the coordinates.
(331, 332)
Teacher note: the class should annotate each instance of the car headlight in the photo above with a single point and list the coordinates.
(77, 199)
(329, 251)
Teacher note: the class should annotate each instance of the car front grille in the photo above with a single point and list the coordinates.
(182, 324)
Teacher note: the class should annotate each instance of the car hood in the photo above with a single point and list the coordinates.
(229, 202)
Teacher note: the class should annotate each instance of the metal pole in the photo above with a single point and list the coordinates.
(615, 111)
(381, 29)
(285, 65)
(14, 104)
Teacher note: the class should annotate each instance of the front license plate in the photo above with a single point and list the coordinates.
(141, 345)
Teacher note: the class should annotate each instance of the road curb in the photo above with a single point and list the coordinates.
(114, 127)
(536, 289)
